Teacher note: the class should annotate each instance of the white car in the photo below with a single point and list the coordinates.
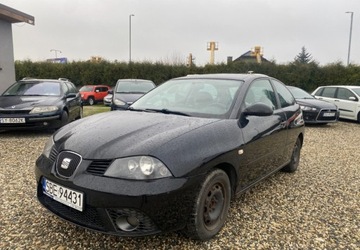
(345, 97)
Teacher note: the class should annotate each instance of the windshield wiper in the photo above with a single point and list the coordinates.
(167, 111)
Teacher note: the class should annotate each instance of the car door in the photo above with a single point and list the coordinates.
(347, 103)
(264, 136)
(73, 103)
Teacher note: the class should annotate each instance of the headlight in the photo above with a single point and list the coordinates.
(119, 102)
(43, 109)
(48, 146)
(307, 108)
(138, 168)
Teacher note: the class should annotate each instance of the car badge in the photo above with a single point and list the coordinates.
(12, 107)
(65, 163)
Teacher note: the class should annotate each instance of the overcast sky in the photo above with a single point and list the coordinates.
(168, 30)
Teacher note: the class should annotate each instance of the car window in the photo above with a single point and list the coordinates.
(86, 89)
(261, 91)
(329, 92)
(34, 89)
(285, 96)
(197, 97)
(71, 87)
(133, 86)
(344, 94)
(356, 90)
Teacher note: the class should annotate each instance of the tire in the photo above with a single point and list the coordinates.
(358, 118)
(295, 158)
(211, 207)
(91, 101)
(81, 114)
(64, 118)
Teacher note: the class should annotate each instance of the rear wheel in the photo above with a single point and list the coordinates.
(211, 207)
(358, 118)
(91, 100)
(295, 158)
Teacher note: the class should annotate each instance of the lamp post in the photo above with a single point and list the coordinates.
(351, 22)
(130, 37)
(56, 51)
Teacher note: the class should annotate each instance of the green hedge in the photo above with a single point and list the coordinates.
(307, 76)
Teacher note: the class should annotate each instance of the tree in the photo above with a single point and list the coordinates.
(303, 57)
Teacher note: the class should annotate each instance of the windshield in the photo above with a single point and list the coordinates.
(299, 93)
(134, 86)
(212, 98)
(86, 89)
(33, 89)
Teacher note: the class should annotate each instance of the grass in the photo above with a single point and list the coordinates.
(94, 109)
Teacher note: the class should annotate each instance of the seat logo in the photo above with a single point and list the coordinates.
(65, 163)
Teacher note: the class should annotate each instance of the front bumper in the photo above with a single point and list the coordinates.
(159, 205)
(319, 116)
(32, 121)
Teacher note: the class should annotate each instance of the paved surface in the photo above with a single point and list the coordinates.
(318, 207)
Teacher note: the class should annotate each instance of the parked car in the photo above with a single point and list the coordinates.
(175, 158)
(314, 110)
(39, 104)
(127, 91)
(108, 99)
(346, 98)
(91, 94)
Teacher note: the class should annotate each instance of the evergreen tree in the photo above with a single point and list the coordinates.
(303, 57)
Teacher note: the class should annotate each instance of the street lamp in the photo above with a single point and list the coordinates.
(351, 22)
(56, 51)
(130, 37)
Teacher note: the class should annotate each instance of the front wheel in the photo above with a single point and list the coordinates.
(211, 206)
(295, 158)
(91, 101)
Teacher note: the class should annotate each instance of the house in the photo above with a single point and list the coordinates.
(8, 16)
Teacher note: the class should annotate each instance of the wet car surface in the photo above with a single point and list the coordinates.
(174, 160)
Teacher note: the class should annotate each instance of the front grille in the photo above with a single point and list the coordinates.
(66, 163)
(98, 167)
(88, 218)
(53, 154)
(321, 116)
(14, 112)
(146, 225)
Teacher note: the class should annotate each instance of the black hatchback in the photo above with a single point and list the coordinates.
(39, 104)
(175, 158)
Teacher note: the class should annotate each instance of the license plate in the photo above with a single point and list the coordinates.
(330, 114)
(12, 120)
(66, 196)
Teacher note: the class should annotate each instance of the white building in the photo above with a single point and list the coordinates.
(8, 16)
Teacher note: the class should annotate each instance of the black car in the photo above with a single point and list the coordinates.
(39, 104)
(175, 158)
(314, 110)
(127, 91)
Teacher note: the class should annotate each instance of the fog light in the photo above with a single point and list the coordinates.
(46, 123)
(127, 223)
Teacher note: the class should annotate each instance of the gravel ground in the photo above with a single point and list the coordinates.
(318, 207)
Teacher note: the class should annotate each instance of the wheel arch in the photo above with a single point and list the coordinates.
(231, 173)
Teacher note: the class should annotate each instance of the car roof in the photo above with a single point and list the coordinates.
(341, 86)
(96, 85)
(134, 80)
(228, 76)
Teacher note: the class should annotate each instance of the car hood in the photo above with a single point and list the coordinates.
(26, 102)
(316, 103)
(180, 142)
(128, 97)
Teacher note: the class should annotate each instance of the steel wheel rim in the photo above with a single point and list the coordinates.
(214, 205)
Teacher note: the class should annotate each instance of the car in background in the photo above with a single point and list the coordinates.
(108, 99)
(92, 94)
(314, 110)
(39, 104)
(175, 158)
(345, 97)
(127, 91)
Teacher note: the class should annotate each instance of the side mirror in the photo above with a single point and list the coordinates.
(97, 91)
(258, 109)
(71, 95)
(352, 98)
